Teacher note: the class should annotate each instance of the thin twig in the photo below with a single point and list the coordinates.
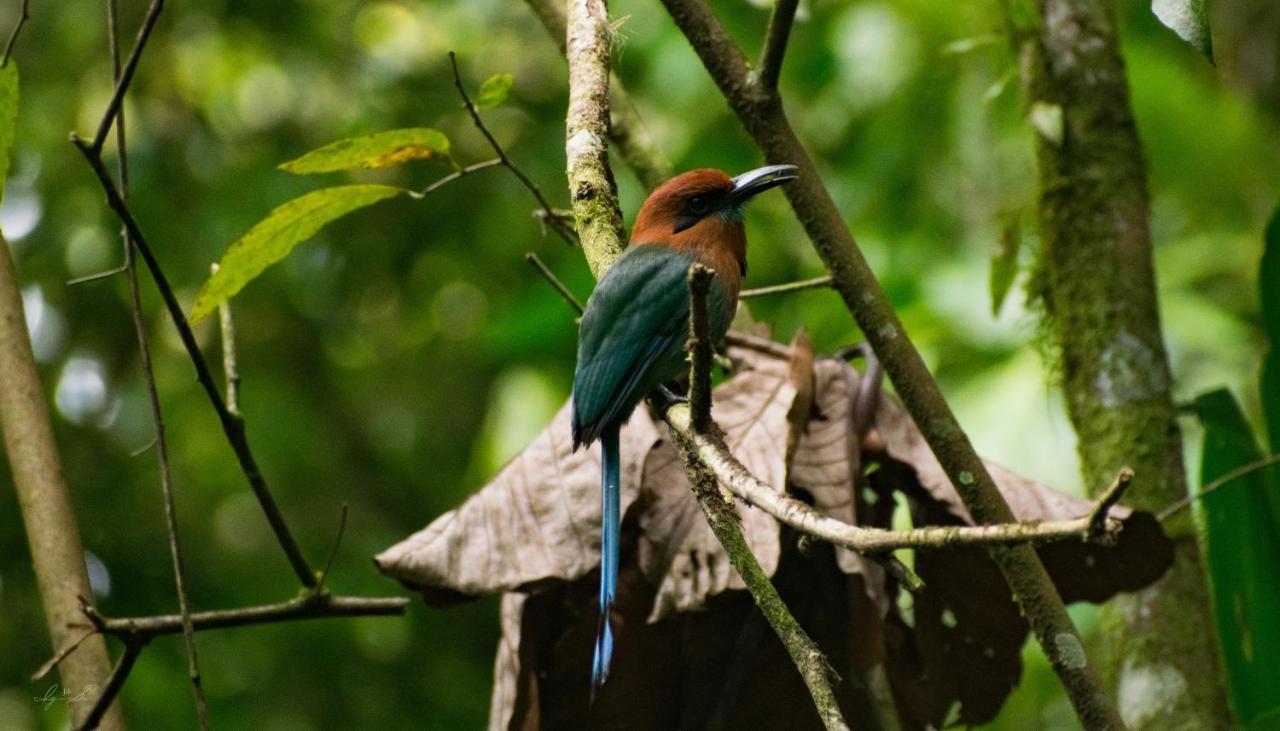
(96, 277)
(230, 360)
(454, 176)
(1231, 476)
(115, 682)
(818, 674)
(126, 75)
(758, 344)
(815, 283)
(153, 396)
(333, 553)
(232, 425)
(556, 224)
(23, 17)
(555, 282)
(775, 41)
(311, 605)
(1107, 500)
(61, 655)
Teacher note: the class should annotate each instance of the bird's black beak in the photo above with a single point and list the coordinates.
(750, 183)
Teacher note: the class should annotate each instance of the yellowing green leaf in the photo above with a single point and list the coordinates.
(273, 238)
(1187, 18)
(380, 150)
(494, 91)
(8, 116)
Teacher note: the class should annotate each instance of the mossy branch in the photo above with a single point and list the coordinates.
(759, 109)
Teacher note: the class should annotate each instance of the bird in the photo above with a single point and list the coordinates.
(633, 330)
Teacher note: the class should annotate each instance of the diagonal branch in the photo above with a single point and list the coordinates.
(775, 41)
(153, 396)
(759, 109)
(23, 17)
(125, 77)
(818, 674)
(232, 425)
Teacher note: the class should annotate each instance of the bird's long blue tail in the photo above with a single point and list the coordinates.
(610, 489)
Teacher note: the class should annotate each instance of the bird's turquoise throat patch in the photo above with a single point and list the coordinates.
(732, 214)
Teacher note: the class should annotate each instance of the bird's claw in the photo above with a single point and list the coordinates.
(664, 398)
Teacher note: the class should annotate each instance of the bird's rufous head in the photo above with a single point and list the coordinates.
(701, 211)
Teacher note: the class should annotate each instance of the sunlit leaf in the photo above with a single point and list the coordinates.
(275, 236)
(494, 91)
(1242, 547)
(8, 116)
(1004, 265)
(1189, 19)
(1269, 291)
(380, 150)
(965, 45)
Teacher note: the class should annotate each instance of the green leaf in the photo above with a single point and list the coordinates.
(1004, 265)
(1242, 549)
(494, 91)
(1269, 292)
(380, 150)
(8, 117)
(273, 238)
(1189, 19)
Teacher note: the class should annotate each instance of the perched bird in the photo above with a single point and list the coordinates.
(633, 331)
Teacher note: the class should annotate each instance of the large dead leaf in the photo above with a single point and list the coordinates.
(539, 519)
(535, 528)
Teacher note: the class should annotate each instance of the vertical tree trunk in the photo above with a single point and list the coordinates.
(46, 506)
(1097, 280)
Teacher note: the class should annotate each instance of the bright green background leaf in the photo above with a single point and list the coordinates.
(1189, 19)
(8, 117)
(494, 91)
(275, 236)
(380, 150)
(1242, 546)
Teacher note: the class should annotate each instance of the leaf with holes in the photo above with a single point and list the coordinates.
(1189, 19)
(380, 150)
(1242, 547)
(494, 91)
(273, 238)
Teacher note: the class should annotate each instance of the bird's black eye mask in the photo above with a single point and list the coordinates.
(699, 205)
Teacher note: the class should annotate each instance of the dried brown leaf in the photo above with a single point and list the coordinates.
(538, 519)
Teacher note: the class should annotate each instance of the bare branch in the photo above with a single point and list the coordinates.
(775, 41)
(230, 361)
(310, 605)
(1231, 476)
(232, 425)
(23, 17)
(815, 283)
(454, 176)
(126, 75)
(556, 224)
(555, 282)
(153, 396)
(115, 682)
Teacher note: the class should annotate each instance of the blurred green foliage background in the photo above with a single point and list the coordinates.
(401, 357)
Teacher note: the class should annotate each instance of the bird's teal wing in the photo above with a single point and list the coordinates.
(631, 338)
